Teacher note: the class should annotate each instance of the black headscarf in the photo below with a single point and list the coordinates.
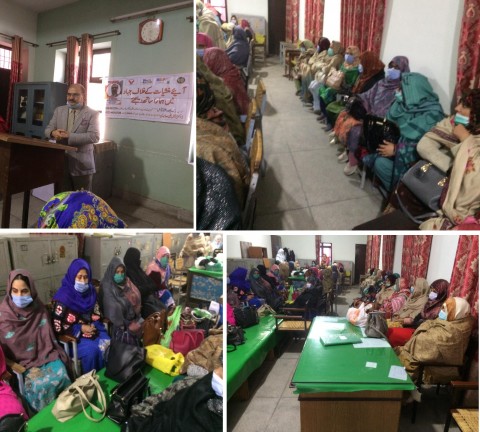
(135, 273)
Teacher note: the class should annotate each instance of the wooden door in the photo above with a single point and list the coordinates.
(276, 25)
(4, 89)
(276, 245)
(360, 258)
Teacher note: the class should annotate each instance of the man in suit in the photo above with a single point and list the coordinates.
(77, 125)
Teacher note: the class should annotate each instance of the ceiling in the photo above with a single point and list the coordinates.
(42, 5)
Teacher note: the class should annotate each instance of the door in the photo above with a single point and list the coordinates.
(4, 90)
(276, 245)
(360, 259)
(276, 25)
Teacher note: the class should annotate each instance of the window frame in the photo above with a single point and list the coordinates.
(7, 48)
(98, 80)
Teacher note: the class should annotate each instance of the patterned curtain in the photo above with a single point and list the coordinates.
(373, 252)
(85, 67)
(318, 242)
(15, 75)
(314, 19)
(72, 60)
(415, 256)
(362, 24)
(388, 252)
(291, 20)
(468, 63)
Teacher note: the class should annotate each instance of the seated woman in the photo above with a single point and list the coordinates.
(444, 339)
(160, 265)
(414, 304)
(227, 29)
(78, 209)
(121, 301)
(77, 313)
(239, 50)
(401, 293)
(437, 295)
(313, 64)
(27, 337)
(262, 289)
(204, 41)
(248, 29)
(207, 23)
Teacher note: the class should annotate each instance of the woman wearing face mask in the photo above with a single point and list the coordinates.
(437, 294)
(160, 265)
(120, 300)
(414, 305)
(444, 339)
(396, 301)
(263, 290)
(27, 337)
(239, 49)
(76, 313)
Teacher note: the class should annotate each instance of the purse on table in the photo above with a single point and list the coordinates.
(246, 316)
(235, 336)
(79, 395)
(376, 326)
(376, 130)
(154, 327)
(123, 360)
(184, 341)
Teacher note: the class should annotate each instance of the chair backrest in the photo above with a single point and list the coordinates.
(256, 151)
(261, 96)
(250, 123)
(256, 156)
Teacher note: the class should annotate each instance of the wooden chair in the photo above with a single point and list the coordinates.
(261, 96)
(466, 418)
(293, 323)
(256, 156)
(260, 48)
(18, 370)
(251, 120)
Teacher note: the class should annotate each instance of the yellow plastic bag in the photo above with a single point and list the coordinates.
(164, 359)
(260, 38)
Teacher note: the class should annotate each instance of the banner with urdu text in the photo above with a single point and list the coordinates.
(161, 98)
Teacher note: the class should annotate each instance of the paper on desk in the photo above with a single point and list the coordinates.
(372, 343)
(333, 326)
(398, 372)
(371, 365)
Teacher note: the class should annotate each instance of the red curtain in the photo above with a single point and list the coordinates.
(362, 24)
(318, 242)
(85, 67)
(291, 20)
(15, 75)
(415, 256)
(72, 60)
(314, 19)
(373, 252)
(468, 62)
(388, 252)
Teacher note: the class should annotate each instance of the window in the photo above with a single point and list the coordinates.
(325, 254)
(5, 57)
(100, 65)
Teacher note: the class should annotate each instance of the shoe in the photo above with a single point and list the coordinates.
(308, 104)
(317, 112)
(343, 157)
(331, 134)
(328, 127)
(333, 141)
(321, 117)
(349, 169)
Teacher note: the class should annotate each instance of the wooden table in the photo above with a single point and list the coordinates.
(27, 163)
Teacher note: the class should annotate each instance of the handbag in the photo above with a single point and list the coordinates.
(77, 396)
(124, 336)
(376, 130)
(164, 359)
(376, 325)
(123, 360)
(13, 423)
(235, 336)
(184, 341)
(426, 182)
(246, 316)
(335, 79)
(154, 327)
(126, 394)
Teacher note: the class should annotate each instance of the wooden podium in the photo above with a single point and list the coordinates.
(27, 163)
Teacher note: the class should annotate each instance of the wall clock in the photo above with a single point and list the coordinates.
(150, 31)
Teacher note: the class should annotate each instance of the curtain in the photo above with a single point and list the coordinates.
(318, 242)
(468, 62)
(415, 256)
(314, 19)
(388, 251)
(373, 252)
(85, 67)
(291, 20)
(72, 60)
(15, 75)
(362, 24)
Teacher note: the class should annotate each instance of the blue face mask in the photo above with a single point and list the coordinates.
(200, 52)
(330, 52)
(432, 295)
(163, 261)
(81, 287)
(22, 301)
(393, 74)
(360, 68)
(461, 119)
(256, 276)
(349, 58)
(412, 289)
(442, 315)
(119, 277)
(75, 106)
(398, 96)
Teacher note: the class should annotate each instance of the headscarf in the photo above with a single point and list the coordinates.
(306, 43)
(204, 40)
(207, 23)
(238, 278)
(372, 66)
(472, 99)
(323, 44)
(219, 63)
(355, 52)
(239, 50)
(135, 273)
(415, 304)
(432, 307)
(69, 296)
(205, 97)
(263, 273)
(78, 209)
(271, 273)
(420, 109)
(26, 334)
(155, 265)
(228, 30)
(457, 308)
(259, 286)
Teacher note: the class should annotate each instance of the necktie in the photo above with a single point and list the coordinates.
(71, 120)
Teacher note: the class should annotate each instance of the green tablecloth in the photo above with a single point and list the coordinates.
(343, 368)
(45, 421)
(260, 339)
(214, 274)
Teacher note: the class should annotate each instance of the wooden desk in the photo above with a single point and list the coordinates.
(335, 383)
(290, 54)
(27, 163)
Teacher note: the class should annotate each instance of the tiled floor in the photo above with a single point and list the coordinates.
(304, 186)
(273, 407)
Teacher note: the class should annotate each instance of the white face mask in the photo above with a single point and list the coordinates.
(432, 295)
(217, 384)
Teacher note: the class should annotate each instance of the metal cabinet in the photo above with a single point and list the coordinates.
(47, 258)
(5, 267)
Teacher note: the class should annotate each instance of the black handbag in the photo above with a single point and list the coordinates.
(355, 108)
(235, 336)
(126, 394)
(13, 423)
(376, 326)
(123, 360)
(376, 130)
(246, 316)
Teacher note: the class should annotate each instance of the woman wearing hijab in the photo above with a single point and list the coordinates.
(76, 313)
(444, 339)
(414, 305)
(204, 41)
(121, 301)
(249, 33)
(436, 296)
(27, 337)
(239, 50)
(396, 301)
(160, 266)
(207, 23)
(219, 63)
(227, 29)
(312, 65)
(262, 289)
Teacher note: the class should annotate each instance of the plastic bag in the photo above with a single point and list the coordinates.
(164, 359)
(358, 316)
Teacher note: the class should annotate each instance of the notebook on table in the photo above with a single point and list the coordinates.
(339, 339)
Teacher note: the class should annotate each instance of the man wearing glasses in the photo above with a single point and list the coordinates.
(77, 125)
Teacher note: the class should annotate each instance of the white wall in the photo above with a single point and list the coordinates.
(397, 258)
(233, 243)
(248, 7)
(331, 21)
(301, 21)
(343, 246)
(302, 245)
(442, 257)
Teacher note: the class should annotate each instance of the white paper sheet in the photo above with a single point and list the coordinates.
(398, 372)
(372, 343)
(371, 365)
